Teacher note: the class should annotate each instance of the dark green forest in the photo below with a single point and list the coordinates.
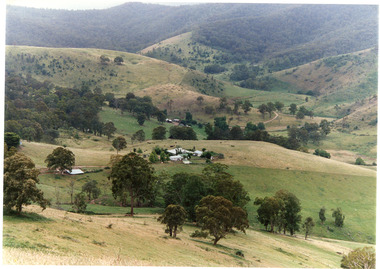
(280, 35)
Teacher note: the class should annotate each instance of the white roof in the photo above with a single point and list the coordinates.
(186, 162)
(175, 158)
(198, 152)
(75, 172)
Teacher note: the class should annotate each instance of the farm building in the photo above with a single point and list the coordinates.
(176, 158)
(198, 153)
(74, 172)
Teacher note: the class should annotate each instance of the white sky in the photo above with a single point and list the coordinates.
(101, 4)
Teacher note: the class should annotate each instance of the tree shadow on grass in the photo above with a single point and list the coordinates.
(14, 216)
(220, 248)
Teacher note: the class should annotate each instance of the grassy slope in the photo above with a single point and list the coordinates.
(339, 80)
(59, 238)
(263, 169)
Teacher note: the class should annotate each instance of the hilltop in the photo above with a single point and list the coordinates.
(284, 35)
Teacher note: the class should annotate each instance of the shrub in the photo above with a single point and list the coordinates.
(359, 161)
(322, 153)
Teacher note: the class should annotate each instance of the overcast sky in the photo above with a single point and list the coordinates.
(100, 4)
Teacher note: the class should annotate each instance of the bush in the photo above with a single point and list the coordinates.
(360, 258)
(359, 161)
(322, 153)
(80, 205)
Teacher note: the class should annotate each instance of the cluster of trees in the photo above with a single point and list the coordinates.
(313, 132)
(140, 107)
(187, 189)
(281, 211)
(214, 199)
(221, 131)
(35, 111)
(300, 112)
(270, 107)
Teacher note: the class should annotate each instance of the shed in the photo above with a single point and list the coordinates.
(198, 153)
(176, 158)
(75, 172)
(186, 161)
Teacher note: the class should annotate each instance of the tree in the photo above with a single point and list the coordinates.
(71, 190)
(159, 133)
(186, 190)
(12, 140)
(91, 189)
(290, 212)
(322, 216)
(268, 212)
(132, 176)
(339, 217)
(271, 107)
(293, 109)
(246, 106)
(325, 126)
(109, 129)
(161, 117)
(153, 158)
(174, 217)
(80, 205)
(20, 183)
(236, 133)
(300, 115)
(104, 60)
(222, 103)
(119, 143)
(182, 132)
(308, 226)
(279, 106)
(200, 100)
(141, 118)
(360, 258)
(359, 161)
(61, 159)
(118, 60)
(263, 108)
(139, 136)
(218, 215)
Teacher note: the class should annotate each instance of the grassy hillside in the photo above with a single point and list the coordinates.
(336, 81)
(72, 239)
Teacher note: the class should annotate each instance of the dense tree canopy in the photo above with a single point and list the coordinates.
(61, 159)
(132, 176)
(20, 183)
(218, 216)
(174, 217)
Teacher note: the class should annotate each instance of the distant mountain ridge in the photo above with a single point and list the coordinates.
(288, 35)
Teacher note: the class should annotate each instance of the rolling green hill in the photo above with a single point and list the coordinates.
(85, 239)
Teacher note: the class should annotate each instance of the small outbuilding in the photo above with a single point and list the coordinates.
(74, 172)
(176, 158)
(198, 153)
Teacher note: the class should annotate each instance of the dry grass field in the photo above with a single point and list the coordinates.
(59, 238)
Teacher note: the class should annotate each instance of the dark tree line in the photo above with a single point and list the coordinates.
(35, 110)
(221, 131)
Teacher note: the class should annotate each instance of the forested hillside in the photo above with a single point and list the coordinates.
(289, 34)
